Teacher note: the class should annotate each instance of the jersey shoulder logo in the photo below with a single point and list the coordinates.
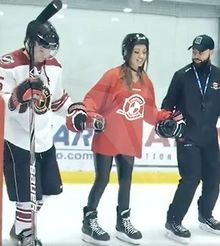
(133, 107)
(7, 59)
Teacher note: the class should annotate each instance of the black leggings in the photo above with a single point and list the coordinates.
(103, 165)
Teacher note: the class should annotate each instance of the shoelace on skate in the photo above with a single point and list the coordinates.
(95, 227)
(179, 227)
(129, 228)
(212, 221)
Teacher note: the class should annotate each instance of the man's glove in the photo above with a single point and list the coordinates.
(96, 122)
(25, 92)
(76, 117)
(170, 128)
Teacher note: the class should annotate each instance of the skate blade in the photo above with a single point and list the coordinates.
(172, 236)
(124, 238)
(87, 239)
(37, 243)
(207, 228)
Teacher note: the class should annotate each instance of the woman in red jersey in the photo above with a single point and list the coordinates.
(124, 96)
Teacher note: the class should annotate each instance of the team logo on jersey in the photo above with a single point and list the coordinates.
(215, 86)
(42, 104)
(1, 83)
(6, 59)
(133, 107)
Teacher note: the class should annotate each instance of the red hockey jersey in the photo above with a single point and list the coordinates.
(124, 111)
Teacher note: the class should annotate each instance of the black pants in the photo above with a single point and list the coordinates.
(103, 165)
(196, 163)
(17, 173)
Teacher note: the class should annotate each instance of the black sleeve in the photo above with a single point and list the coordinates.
(170, 102)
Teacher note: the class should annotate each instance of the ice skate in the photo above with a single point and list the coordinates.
(91, 231)
(125, 231)
(177, 232)
(209, 224)
(25, 238)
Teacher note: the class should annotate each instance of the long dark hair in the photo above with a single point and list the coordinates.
(126, 73)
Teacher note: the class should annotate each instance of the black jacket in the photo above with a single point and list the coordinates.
(200, 112)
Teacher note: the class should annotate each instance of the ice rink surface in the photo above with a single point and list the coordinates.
(60, 219)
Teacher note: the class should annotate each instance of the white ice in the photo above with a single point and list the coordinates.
(60, 220)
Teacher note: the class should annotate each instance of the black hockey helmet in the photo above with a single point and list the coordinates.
(43, 33)
(130, 41)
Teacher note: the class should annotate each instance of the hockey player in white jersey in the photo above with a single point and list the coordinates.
(49, 97)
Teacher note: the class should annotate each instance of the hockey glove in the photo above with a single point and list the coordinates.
(178, 133)
(169, 128)
(76, 117)
(25, 92)
(96, 122)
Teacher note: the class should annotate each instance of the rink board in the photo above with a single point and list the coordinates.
(158, 163)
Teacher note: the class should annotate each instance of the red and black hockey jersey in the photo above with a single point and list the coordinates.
(124, 110)
(14, 69)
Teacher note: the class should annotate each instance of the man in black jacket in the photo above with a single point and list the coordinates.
(195, 91)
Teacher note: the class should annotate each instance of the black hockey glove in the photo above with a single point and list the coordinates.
(96, 122)
(25, 92)
(76, 117)
(170, 128)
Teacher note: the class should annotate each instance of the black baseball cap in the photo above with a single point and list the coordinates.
(202, 43)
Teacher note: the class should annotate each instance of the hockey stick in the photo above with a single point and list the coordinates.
(45, 15)
(51, 9)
